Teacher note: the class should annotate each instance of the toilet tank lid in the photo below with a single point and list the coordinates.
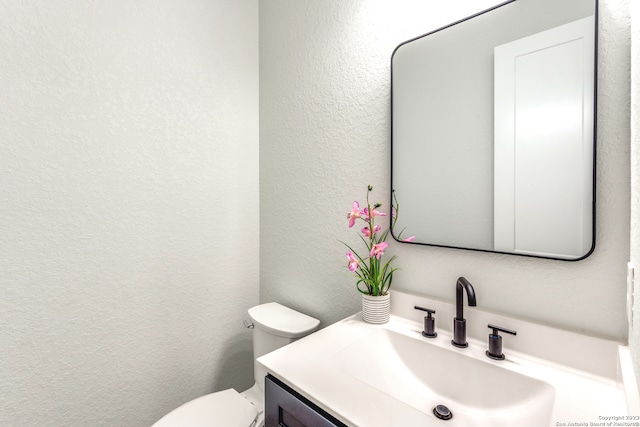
(282, 321)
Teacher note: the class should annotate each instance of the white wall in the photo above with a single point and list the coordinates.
(128, 206)
(324, 135)
(634, 333)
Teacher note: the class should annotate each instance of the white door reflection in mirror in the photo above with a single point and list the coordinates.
(544, 127)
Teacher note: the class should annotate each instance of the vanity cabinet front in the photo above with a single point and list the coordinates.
(284, 407)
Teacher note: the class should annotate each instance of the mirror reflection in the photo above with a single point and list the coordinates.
(493, 131)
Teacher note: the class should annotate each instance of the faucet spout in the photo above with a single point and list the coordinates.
(463, 284)
(459, 323)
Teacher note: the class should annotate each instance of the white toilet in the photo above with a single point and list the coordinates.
(274, 326)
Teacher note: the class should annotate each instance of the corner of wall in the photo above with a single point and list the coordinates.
(634, 327)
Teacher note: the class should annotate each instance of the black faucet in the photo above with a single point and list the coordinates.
(459, 324)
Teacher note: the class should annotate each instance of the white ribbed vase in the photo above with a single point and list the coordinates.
(376, 309)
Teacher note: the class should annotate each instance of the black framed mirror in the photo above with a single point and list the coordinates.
(493, 131)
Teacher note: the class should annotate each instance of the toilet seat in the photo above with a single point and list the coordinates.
(224, 408)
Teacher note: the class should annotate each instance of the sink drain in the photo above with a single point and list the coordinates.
(442, 412)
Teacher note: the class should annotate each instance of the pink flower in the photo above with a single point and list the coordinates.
(353, 262)
(378, 250)
(374, 213)
(367, 232)
(354, 214)
(409, 239)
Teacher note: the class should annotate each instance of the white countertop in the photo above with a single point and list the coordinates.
(306, 365)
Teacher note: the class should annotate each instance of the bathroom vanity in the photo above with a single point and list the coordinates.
(357, 374)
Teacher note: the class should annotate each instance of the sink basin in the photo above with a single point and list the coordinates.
(422, 374)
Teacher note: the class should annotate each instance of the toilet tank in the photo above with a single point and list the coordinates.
(276, 326)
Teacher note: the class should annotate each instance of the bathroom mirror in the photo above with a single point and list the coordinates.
(493, 131)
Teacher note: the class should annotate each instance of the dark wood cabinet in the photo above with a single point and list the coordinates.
(284, 407)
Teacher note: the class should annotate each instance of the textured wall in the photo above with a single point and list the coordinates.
(324, 135)
(128, 206)
(634, 336)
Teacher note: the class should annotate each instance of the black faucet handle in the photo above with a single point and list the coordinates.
(497, 329)
(429, 323)
(495, 342)
(428, 310)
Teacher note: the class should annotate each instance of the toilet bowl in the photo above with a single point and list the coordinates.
(274, 326)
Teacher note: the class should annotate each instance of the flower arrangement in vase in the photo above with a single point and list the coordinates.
(374, 275)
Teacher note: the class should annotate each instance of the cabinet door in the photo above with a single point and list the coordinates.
(284, 407)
